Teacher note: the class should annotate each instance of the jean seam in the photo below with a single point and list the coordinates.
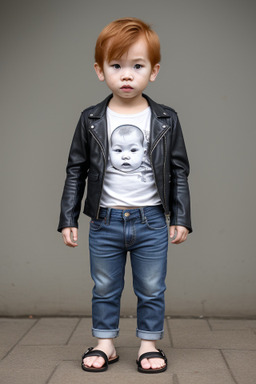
(133, 236)
(155, 229)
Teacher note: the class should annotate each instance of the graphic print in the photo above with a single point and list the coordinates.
(127, 148)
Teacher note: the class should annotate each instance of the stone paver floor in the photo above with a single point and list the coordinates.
(199, 351)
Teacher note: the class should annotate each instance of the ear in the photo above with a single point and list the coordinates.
(154, 72)
(99, 72)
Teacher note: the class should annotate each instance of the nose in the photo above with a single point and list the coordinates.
(125, 156)
(126, 75)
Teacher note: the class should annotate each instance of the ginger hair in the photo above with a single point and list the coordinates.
(118, 36)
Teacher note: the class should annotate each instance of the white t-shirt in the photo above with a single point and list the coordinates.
(129, 179)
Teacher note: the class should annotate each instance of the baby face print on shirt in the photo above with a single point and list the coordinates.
(127, 148)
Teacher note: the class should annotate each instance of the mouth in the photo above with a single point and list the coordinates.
(126, 87)
(126, 165)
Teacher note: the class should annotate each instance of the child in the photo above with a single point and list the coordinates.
(128, 213)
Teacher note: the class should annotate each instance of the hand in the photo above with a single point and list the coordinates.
(180, 233)
(69, 236)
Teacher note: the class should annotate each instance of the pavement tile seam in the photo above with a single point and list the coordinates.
(230, 329)
(45, 345)
(228, 367)
(175, 379)
(72, 333)
(51, 331)
(238, 330)
(169, 332)
(132, 347)
(209, 324)
(52, 373)
(238, 350)
(20, 339)
(249, 330)
(214, 349)
(200, 348)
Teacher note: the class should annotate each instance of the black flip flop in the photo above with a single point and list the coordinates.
(151, 355)
(96, 352)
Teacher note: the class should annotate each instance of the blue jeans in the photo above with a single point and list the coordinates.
(142, 232)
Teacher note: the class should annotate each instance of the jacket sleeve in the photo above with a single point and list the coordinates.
(179, 191)
(76, 173)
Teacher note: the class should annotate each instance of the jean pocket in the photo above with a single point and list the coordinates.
(96, 224)
(156, 222)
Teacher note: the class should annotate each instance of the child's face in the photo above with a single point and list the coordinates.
(126, 152)
(128, 76)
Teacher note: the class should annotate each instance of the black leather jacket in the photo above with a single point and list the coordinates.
(88, 159)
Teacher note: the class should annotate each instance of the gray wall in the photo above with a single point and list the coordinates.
(47, 78)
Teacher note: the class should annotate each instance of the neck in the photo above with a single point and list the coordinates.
(128, 106)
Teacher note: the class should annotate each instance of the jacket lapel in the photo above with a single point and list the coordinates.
(98, 126)
(158, 122)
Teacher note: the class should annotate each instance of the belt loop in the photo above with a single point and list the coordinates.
(107, 218)
(143, 217)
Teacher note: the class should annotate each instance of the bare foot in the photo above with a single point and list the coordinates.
(154, 363)
(104, 345)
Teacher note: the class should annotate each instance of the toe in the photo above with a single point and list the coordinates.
(95, 361)
(99, 362)
(88, 361)
(156, 363)
(145, 364)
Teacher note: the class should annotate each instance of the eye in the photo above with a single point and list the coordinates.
(134, 150)
(116, 66)
(117, 150)
(137, 66)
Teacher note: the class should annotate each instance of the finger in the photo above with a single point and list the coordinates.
(181, 235)
(172, 231)
(74, 237)
(66, 234)
(176, 235)
(177, 238)
(75, 234)
(65, 237)
(71, 243)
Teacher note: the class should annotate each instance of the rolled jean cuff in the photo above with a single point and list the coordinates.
(146, 335)
(105, 333)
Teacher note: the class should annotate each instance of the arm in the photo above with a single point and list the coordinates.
(180, 221)
(75, 180)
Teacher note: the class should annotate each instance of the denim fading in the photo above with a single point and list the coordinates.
(142, 232)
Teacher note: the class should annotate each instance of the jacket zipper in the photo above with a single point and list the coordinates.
(101, 189)
(160, 137)
(164, 167)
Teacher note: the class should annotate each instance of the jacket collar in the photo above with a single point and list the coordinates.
(157, 109)
(99, 110)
